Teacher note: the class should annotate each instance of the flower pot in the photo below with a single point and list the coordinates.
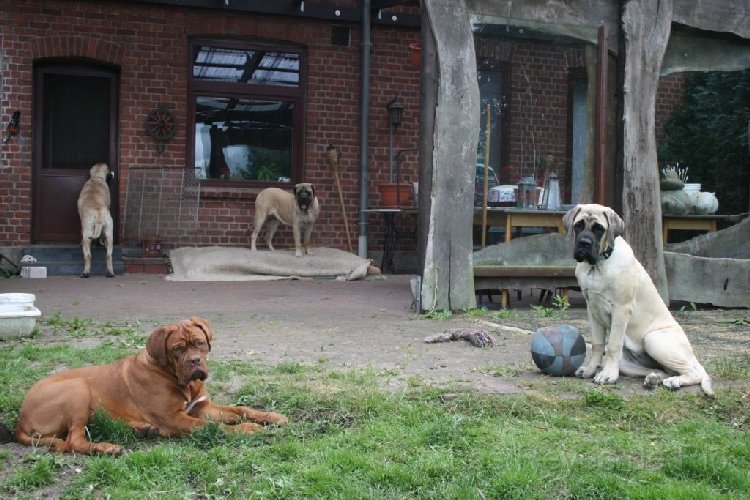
(388, 194)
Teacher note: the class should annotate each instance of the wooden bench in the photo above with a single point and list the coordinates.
(504, 278)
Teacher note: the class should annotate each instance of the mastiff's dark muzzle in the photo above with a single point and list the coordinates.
(304, 195)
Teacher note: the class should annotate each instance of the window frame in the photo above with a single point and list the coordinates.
(294, 94)
(504, 68)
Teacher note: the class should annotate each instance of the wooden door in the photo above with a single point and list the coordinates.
(75, 126)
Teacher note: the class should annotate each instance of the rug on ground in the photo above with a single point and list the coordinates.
(242, 264)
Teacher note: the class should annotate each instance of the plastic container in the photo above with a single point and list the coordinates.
(11, 301)
(18, 320)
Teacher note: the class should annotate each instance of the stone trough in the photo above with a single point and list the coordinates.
(713, 268)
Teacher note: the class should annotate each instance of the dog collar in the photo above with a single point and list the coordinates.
(189, 405)
(608, 252)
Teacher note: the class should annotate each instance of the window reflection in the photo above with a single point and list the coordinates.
(243, 139)
(247, 111)
(252, 66)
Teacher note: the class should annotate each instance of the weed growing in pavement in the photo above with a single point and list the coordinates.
(542, 311)
(439, 315)
(562, 304)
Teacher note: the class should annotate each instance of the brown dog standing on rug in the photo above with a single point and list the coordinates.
(298, 209)
(159, 391)
(96, 221)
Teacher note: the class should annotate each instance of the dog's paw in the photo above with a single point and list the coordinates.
(110, 275)
(243, 428)
(275, 418)
(107, 449)
(85, 275)
(585, 372)
(652, 380)
(607, 376)
(147, 431)
(672, 383)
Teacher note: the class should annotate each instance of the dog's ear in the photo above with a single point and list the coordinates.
(294, 190)
(312, 188)
(156, 346)
(204, 325)
(616, 226)
(569, 217)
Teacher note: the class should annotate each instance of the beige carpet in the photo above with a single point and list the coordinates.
(241, 264)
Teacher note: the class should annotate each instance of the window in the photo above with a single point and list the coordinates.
(247, 112)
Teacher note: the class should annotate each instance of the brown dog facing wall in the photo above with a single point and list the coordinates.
(158, 392)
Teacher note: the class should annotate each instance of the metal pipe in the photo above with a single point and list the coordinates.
(364, 128)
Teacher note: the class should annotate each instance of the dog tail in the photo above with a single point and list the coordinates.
(98, 224)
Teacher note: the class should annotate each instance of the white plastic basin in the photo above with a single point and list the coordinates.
(18, 320)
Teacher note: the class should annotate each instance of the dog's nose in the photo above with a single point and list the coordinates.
(585, 242)
(195, 360)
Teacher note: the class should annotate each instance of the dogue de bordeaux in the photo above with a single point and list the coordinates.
(158, 392)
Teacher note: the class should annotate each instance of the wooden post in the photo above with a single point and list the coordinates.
(447, 276)
(646, 27)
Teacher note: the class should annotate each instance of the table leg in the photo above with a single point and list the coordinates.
(389, 243)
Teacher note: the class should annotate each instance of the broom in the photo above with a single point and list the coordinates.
(333, 159)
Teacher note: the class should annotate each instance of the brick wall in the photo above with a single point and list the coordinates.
(669, 94)
(149, 44)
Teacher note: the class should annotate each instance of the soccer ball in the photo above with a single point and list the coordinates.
(558, 350)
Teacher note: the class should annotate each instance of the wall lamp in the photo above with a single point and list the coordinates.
(13, 126)
(395, 112)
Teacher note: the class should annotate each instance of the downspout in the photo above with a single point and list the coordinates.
(364, 128)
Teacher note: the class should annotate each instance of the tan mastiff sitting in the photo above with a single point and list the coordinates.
(96, 221)
(622, 302)
(159, 391)
(298, 209)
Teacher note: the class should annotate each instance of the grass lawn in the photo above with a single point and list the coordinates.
(350, 437)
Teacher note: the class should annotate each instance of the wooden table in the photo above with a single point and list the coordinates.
(706, 223)
(517, 217)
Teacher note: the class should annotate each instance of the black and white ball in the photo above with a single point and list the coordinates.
(558, 350)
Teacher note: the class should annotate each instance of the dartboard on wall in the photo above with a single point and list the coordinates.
(160, 124)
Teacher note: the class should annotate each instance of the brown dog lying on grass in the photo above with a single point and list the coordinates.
(159, 391)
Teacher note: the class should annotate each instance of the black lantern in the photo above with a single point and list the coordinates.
(395, 112)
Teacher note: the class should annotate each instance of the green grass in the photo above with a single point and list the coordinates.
(350, 438)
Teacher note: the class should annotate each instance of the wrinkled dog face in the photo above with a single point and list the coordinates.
(304, 193)
(589, 238)
(595, 228)
(181, 348)
(188, 350)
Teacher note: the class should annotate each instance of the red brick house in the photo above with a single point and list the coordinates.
(197, 106)
(267, 92)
